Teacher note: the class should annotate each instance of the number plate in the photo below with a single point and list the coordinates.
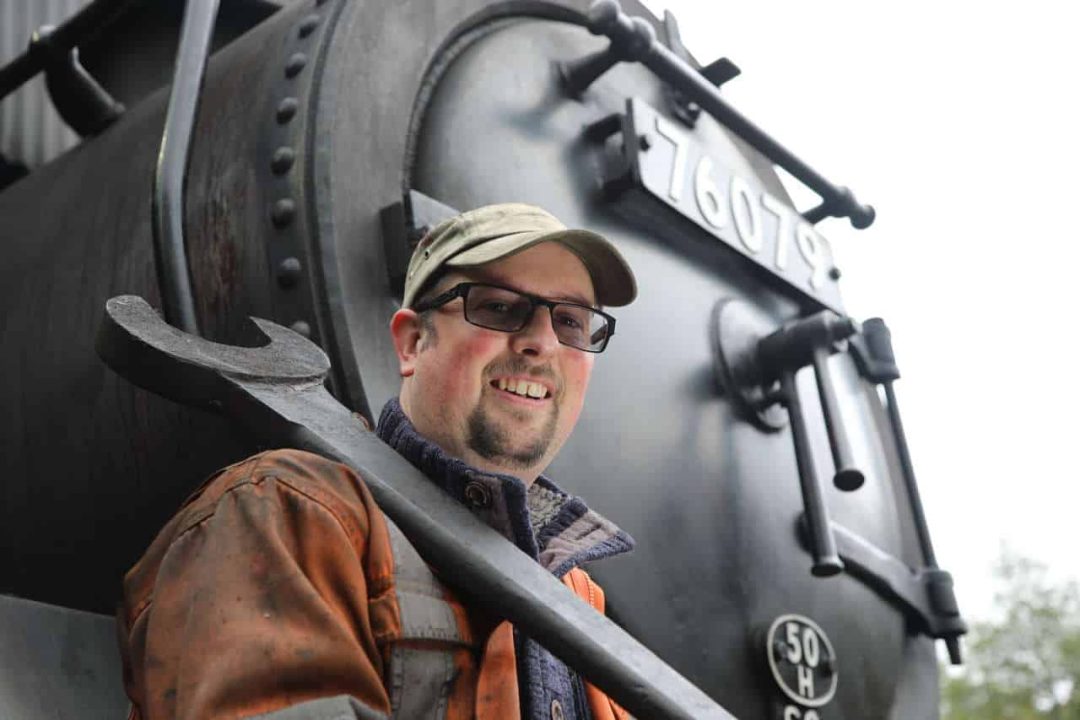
(673, 166)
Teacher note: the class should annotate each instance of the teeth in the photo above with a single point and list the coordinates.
(524, 388)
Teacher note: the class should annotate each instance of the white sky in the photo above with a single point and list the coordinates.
(960, 123)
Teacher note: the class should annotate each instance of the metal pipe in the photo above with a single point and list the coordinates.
(174, 279)
(821, 541)
(81, 26)
(942, 597)
(847, 477)
(919, 517)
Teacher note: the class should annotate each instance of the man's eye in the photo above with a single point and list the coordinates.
(495, 306)
(570, 321)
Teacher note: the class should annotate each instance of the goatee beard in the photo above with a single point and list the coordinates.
(495, 443)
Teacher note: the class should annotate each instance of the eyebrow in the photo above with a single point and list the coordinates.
(571, 298)
(578, 299)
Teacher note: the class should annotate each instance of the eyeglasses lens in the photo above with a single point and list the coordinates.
(508, 311)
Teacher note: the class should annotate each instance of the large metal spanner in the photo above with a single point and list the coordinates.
(277, 392)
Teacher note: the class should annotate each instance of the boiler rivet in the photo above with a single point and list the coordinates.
(283, 213)
(308, 24)
(301, 327)
(288, 273)
(282, 160)
(295, 64)
(286, 109)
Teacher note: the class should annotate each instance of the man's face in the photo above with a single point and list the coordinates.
(452, 392)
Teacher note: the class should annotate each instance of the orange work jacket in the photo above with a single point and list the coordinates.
(280, 585)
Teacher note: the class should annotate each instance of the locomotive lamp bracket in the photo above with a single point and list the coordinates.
(757, 369)
(718, 72)
(735, 335)
(403, 224)
(753, 363)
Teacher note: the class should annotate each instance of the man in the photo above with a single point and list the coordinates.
(281, 591)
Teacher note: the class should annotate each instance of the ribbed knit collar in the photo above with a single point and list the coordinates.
(555, 528)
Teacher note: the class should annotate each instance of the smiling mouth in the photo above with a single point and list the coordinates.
(522, 388)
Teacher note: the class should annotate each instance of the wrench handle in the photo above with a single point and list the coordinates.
(822, 543)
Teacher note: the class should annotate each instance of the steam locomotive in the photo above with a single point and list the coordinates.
(743, 429)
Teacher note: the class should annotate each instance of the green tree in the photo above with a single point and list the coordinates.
(1025, 665)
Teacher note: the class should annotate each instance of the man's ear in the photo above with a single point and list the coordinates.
(405, 328)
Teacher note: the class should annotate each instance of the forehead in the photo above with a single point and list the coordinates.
(548, 269)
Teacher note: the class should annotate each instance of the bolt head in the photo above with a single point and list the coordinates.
(286, 109)
(834, 273)
(644, 142)
(283, 212)
(289, 271)
(283, 159)
(295, 64)
(308, 25)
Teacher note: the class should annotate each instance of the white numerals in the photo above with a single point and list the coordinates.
(783, 229)
(801, 659)
(679, 139)
(747, 213)
(811, 647)
(813, 251)
(728, 204)
(710, 200)
(794, 652)
(802, 646)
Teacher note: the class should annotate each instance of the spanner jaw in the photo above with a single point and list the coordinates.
(135, 342)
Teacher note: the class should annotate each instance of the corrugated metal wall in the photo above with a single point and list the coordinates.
(30, 130)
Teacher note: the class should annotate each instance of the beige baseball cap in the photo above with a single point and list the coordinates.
(492, 232)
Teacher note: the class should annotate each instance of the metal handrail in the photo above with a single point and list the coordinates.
(174, 279)
(633, 39)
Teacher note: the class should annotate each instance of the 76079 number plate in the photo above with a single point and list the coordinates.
(671, 164)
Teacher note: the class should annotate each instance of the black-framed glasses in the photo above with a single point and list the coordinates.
(501, 308)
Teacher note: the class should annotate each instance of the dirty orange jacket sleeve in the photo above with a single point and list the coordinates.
(264, 592)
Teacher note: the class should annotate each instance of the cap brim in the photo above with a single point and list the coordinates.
(613, 281)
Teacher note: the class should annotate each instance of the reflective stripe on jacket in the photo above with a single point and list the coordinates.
(281, 591)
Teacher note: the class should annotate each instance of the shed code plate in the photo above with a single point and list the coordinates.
(803, 664)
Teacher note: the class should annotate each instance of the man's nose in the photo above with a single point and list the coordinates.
(538, 336)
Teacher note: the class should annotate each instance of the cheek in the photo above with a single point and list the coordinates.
(456, 366)
(576, 373)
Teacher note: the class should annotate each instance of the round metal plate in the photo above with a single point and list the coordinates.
(736, 330)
